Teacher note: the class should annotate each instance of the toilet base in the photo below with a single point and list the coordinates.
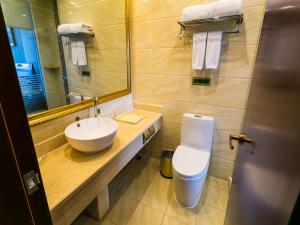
(188, 192)
(188, 207)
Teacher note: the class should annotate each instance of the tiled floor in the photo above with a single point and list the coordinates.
(140, 196)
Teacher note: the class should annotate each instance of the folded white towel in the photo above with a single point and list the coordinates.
(81, 54)
(225, 8)
(63, 29)
(78, 53)
(213, 49)
(78, 47)
(215, 9)
(79, 27)
(74, 52)
(195, 12)
(199, 46)
(73, 28)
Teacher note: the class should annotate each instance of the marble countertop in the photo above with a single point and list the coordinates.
(65, 170)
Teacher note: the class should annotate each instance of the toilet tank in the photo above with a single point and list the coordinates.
(197, 131)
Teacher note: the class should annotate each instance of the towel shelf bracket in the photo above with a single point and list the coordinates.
(81, 35)
(224, 23)
(86, 36)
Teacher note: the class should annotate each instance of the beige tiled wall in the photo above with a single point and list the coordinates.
(162, 74)
(107, 53)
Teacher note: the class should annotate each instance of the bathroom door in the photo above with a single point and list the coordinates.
(20, 204)
(266, 178)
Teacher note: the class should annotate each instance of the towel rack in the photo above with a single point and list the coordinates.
(79, 36)
(89, 34)
(224, 23)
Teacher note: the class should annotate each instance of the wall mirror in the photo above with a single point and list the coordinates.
(60, 72)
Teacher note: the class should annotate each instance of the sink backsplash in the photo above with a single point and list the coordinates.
(115, 107)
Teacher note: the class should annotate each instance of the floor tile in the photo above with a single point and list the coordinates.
(172, 221)
(184, 215)
(210, 216)
(148, 172)
(229, 220)
(86, 220)
(154, 162)
(122, 211)
(145, 215)
(141, 196)
(126, 176)
(157, 197)
(220, 183)
(215, 197)
(162, 181)
(136, 189)
(121, 180)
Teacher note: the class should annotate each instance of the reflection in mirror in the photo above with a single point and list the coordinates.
(59, 67)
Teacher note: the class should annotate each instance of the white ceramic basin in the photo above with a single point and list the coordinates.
(92, 134)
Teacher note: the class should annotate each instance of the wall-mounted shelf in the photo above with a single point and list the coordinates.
(85, 36)
(224, 23)
(79, 35)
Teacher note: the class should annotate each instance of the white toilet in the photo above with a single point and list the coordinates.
(191, 159)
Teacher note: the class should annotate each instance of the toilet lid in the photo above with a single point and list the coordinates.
(190, 162)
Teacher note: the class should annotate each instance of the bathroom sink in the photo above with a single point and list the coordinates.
(92, 135)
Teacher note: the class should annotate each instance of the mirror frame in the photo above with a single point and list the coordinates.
(43, 117)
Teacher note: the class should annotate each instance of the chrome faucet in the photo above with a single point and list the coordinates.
(96, 111)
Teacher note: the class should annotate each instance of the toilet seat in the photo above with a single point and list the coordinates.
(190, 163)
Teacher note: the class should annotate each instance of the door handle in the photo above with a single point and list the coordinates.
(242, 138)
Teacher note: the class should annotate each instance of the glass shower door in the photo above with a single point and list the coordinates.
(23, 44)
(38, 52)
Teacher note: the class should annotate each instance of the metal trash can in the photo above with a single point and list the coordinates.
(166, 164)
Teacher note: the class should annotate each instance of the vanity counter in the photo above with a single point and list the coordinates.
(65, 171)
